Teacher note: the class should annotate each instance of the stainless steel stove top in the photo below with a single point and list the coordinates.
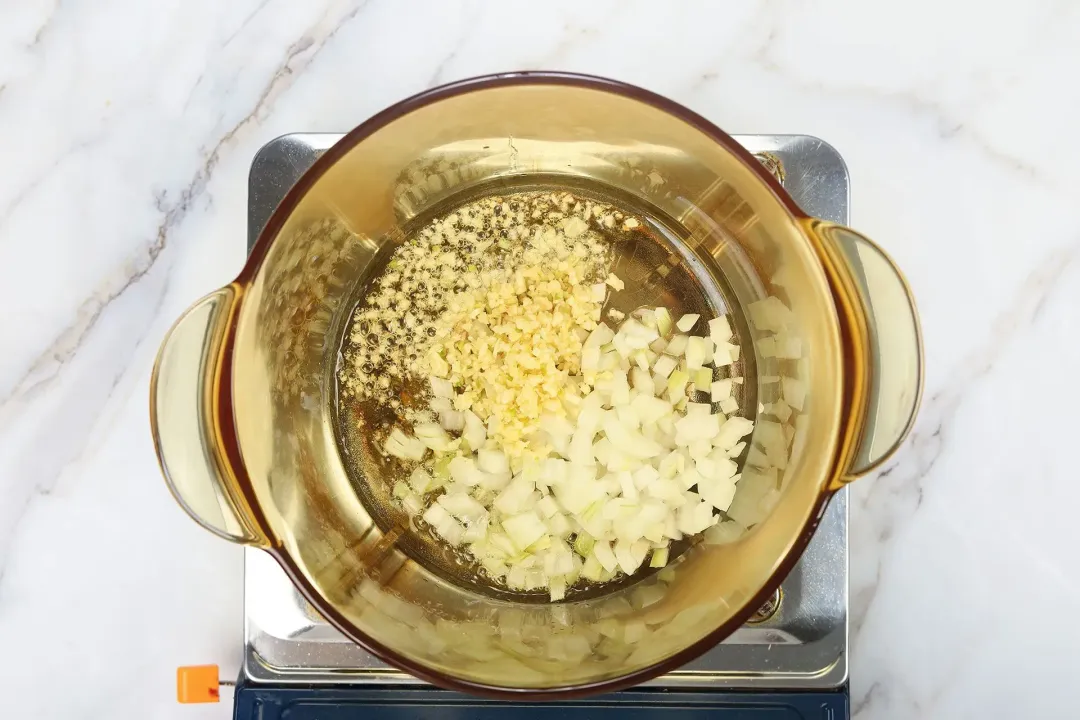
(802, 644)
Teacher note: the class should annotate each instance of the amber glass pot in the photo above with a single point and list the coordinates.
(243, 387)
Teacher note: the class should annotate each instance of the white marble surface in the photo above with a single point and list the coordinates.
(126, 131)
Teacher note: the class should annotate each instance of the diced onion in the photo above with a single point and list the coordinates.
(731, 431)
(629, 441)
(441, 405)
(676, 347)
(676, 385)
(720, 389)
(515, 497)
(463, 507)
(663, 320)
(452, 420)
(464, 470)
(695, 352)
(630, 555)
(441, 387)
(524, 529)
(475, 434)
(477, 530)
(412, 503)
(686, 322)
(420, 481)
(620, 389)
(722, 354)
(547, 507)
(664, 366)
(720, 330)
(605, 555)
(492, 461)
(641, 380)
(698, 408)
(432, 436)
(615, 282)
(400, 445)
(599, 337)
(619, 465)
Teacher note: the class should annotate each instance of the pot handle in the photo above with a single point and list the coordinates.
(183, 420)
(893, 340)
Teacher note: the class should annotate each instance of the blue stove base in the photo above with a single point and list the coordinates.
(349, 702)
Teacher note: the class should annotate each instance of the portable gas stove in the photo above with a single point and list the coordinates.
(789, 661)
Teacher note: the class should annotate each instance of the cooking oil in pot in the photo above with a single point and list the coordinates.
(380, 380)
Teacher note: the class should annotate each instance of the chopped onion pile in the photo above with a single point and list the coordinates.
(634, 455)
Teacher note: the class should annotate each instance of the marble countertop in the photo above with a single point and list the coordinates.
(126, 132)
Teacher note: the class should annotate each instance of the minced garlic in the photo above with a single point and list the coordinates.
(492, 255)
(512, 346)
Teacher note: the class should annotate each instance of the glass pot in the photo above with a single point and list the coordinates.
(243, 388)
